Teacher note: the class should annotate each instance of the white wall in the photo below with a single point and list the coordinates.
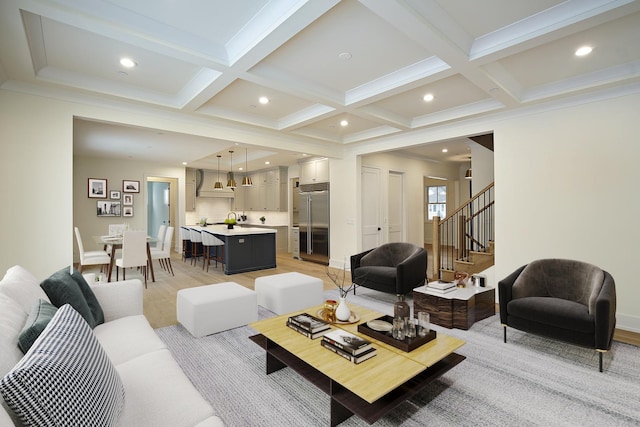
(567, 187)
(36, 172)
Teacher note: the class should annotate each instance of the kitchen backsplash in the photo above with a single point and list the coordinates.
(216, 210)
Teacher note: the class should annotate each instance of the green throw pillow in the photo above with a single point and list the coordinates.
(64, 288)
(41, 313)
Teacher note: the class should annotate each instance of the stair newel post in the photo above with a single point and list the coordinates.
(435, 248)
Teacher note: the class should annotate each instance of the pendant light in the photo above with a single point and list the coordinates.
(231, 182)
(218, 184)
(246, 181)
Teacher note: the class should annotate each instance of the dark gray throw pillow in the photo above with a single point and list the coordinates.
(64, 288)
(39, 317)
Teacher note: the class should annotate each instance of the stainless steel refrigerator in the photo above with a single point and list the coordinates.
(314, 222)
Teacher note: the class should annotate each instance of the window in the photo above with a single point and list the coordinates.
(436, 201)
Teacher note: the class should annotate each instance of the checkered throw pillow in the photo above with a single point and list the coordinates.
(65, 379)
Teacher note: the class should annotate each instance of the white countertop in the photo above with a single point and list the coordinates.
(459, 293)
(222, 230)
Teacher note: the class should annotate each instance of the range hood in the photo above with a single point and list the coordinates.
(206, 179)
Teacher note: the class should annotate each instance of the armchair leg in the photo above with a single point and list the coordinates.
(504, 328)
(600, 361)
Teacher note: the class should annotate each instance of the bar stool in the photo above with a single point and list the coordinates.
(185, 236)
(209, 241)
(196, 245)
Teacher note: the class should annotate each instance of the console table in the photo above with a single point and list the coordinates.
(457, 309)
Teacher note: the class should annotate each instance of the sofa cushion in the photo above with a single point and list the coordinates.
(380, 275)
(389, 254)
(555, 312)
(12, 319)
(159, 393)
(127, 338)
(65, 378)
(560, 278)
(22, 286)
(41, 314)
(64, 288)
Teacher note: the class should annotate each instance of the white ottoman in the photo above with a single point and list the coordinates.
(287, 292)
(205, 310)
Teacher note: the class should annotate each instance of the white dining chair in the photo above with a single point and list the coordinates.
(134, 253)
(100, 258)
(164, 256)
(196, 245)
(162, 231)
(116, 229)
(209, 243)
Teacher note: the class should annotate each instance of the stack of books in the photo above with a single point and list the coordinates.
(308, 325)
(441, 287)
(349, 346)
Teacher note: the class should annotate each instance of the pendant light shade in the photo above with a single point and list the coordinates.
(218, 184)
(246, 181)
(467, 175)
(231, 182)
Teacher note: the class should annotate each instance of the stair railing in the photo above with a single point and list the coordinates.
(468, 228)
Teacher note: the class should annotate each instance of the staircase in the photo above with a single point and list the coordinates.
(464, 240)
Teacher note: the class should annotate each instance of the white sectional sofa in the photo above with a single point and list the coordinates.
(156, 391)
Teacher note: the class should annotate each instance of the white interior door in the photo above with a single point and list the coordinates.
(371, 218)
(396, 207)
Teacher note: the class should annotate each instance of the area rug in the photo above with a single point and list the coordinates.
(529, 381)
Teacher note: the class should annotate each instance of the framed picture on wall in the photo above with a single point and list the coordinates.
(130, 186)
(127, 200)
(114, 195)
(108, 208)
(127, 211)
(97, 188)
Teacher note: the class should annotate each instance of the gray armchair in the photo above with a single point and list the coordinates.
(567, 300)
(394, 268)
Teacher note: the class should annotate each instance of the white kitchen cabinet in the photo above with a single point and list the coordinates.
(314, 171)
(269, 191)
(190, 190)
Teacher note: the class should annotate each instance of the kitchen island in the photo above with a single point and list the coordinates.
(245, 248)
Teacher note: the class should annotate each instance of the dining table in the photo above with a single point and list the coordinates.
(116, 243)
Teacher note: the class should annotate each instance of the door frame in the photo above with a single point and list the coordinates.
(173, 204)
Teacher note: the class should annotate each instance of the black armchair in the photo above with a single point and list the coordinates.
(394, 268)
(567, 300)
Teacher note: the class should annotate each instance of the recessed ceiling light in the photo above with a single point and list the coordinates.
(428, 97)
(583, 51)
(345, 56)
(127, 62)
(445, 150)
(263, 100)
(240, 168)
(267, 162)
(184, 163)
(344, 123)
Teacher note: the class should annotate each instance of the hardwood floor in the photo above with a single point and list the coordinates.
(160, 296)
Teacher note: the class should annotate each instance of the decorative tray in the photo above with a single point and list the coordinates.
(355, 317)
(408, 344)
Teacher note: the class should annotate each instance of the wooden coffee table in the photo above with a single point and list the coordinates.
(370, 389)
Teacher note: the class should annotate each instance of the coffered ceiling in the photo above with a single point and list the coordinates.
(318, 62)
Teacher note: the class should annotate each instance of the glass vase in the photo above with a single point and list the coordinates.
(401, 308)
